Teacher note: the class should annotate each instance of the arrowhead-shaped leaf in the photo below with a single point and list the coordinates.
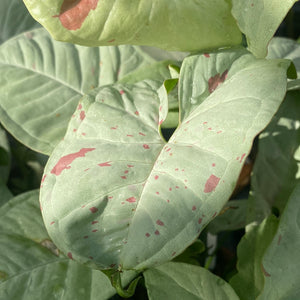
(183, 281)
(259, 20)
(42, 81)
(116, 195)
(168, 24)
(30, 264)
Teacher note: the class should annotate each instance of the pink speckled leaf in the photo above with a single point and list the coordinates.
(116, 195)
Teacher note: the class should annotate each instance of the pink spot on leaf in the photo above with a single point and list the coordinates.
(216, 80)
(94, 222)
(160, 223)
(147, 234)
(140, 133)
(131, 199)
(126, 172)
(130, 166)
(173, 254)
(145, 146)
(206, 55)
(211, 183)
(70, 255)
(95, 230)
(264, 271)
(105, 164)
(122, 92)
(156, 177)
(52, 223)
(136, 113)
(242, 157)
(65, 161)
(82, 115)
(194, 207)
(123, 177)
(213, 164)
(156, 232)
(73, 13)
(93, 209)
(199, 220)
(279, 239)
(111, 41)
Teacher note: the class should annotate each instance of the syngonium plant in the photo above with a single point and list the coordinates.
(117, 195)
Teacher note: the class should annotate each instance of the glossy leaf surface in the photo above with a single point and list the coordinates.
(31, 267)
(168, 24)
(116, 195)
(259, 20)
(42, 81)
(183, 281)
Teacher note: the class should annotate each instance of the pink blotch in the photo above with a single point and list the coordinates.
(74, 130)
(194, 207)
(168, 200)
(70, 255)
(216, 80)
(130, 135)
(79, 106)
(220, 131)
(185, 187)
(83, 133)
(126, 172)
(82, 115)
(93, 209)
(147, 234)
(145, 146)
(44, 177)
(86, 237)
(160, 122)
(123, 177)
(73, 13)
(94, 222)
(199, 220)
(123, 203)
(157, 193)
(65, 161)
(206, 55)
(52, 223)
(242, 157)
(279, 239)
(121, 92)
(86, 169)
(111, 41)
(83, 206)
(136, 113)
(177, 187)
(173, 254)
(170, 189)
(130, 166)
(176, 169)
(204, 123)
(105, 164)
(131, 199)
(160, 108)
(156, 177)
(160, 223)
(238, 158)
(168, 149)
(213, 164)
(156, 232)
(95, 230)
(110, 197)
(114, 128)
(140, 133)
(214, 214)
(252, 4)
(209, 128)
(211, 183)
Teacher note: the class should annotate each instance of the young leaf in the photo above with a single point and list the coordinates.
(14, 19)
(259, 20)
(277, 166)
(188, 282)
(116, 195)
(282, 259)
(249, 281)
(168, 24)
(28, 255)
(42, 81)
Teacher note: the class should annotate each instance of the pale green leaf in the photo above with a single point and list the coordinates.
(277, 166)
(179, 281)
(282, 258)
(14, 19)
(249, 281)
(117, 192)
(42, 81)
(259, 20)
(168, 24)
(285, 48)
(31, 266)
